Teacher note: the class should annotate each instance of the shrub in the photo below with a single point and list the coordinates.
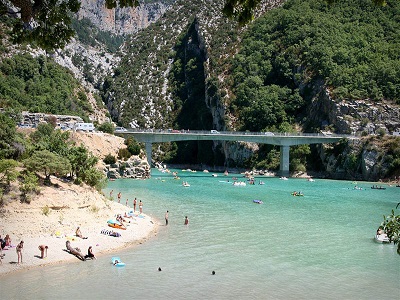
(109, 159)
(106, 127)
(381, 132)
(124, 153)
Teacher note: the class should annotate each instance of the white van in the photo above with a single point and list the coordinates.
(88, 127)
(214, 131)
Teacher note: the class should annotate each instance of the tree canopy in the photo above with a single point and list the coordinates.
(243, 10)
(354, 50)
(47, 162)
(38, 84)
(47, 23)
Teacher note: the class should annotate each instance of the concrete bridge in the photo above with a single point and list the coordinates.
(284, 140)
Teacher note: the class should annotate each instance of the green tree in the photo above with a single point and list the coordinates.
(49, 163)
(29, 184)
(8, 172)
(109, 159)
(80, 160)
(133, 146)
(106, 127)
(391, 225)
(124, 154)
(47, 23)
(7, 136)
(94, 177)
(48, 138)
(243, 10)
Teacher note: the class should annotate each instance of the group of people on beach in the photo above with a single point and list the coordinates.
(119, 196)
(5, 244)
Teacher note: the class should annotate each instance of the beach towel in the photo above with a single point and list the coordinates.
(110, 233)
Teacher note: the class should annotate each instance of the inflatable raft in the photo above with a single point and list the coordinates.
(116, 261)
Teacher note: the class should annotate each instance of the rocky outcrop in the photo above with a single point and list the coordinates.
(126, 20)
(360, 117)
(134, 167)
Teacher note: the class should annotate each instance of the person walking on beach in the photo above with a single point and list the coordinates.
(19, 248)
(134, 205)
(42, 249)
(119, 197)
(166, 218)
(140, 206)
(186, 221)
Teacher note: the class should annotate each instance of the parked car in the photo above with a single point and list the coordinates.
(269, 133)
(120, 129)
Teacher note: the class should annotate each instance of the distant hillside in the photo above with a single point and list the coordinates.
(40, 85)
(303, 66)
(352, 47)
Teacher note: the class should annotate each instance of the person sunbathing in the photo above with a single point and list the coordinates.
(74, 251)
(78, 233)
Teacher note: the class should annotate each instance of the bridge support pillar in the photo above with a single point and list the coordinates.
(284, 166)
(148, 146)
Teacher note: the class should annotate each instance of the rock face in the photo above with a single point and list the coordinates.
(368, 158)
(135, 168)
(121, 20)
(362, 116)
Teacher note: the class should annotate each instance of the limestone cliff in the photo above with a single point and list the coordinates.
(126, 20)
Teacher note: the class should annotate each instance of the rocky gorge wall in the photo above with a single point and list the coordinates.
(119, 21)
(373, 156)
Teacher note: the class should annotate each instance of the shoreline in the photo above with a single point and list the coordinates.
(51, 219)
(33, 261)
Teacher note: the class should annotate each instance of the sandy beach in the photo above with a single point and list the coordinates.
(52, 218)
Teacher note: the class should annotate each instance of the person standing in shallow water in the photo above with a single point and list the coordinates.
(140, 206)
(186, 221)
(119, 197)
(134, 205)
(166, 218)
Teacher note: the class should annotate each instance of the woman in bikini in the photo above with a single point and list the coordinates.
(19, 248)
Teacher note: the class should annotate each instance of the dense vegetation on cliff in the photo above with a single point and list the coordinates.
(40, 85)
(88, 34)
(350, 46)
(353, 46)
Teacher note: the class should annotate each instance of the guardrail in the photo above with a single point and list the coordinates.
(208, 132)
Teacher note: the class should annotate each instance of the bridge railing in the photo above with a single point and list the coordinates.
(208, 132)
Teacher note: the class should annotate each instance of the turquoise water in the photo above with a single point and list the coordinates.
(319, 246)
